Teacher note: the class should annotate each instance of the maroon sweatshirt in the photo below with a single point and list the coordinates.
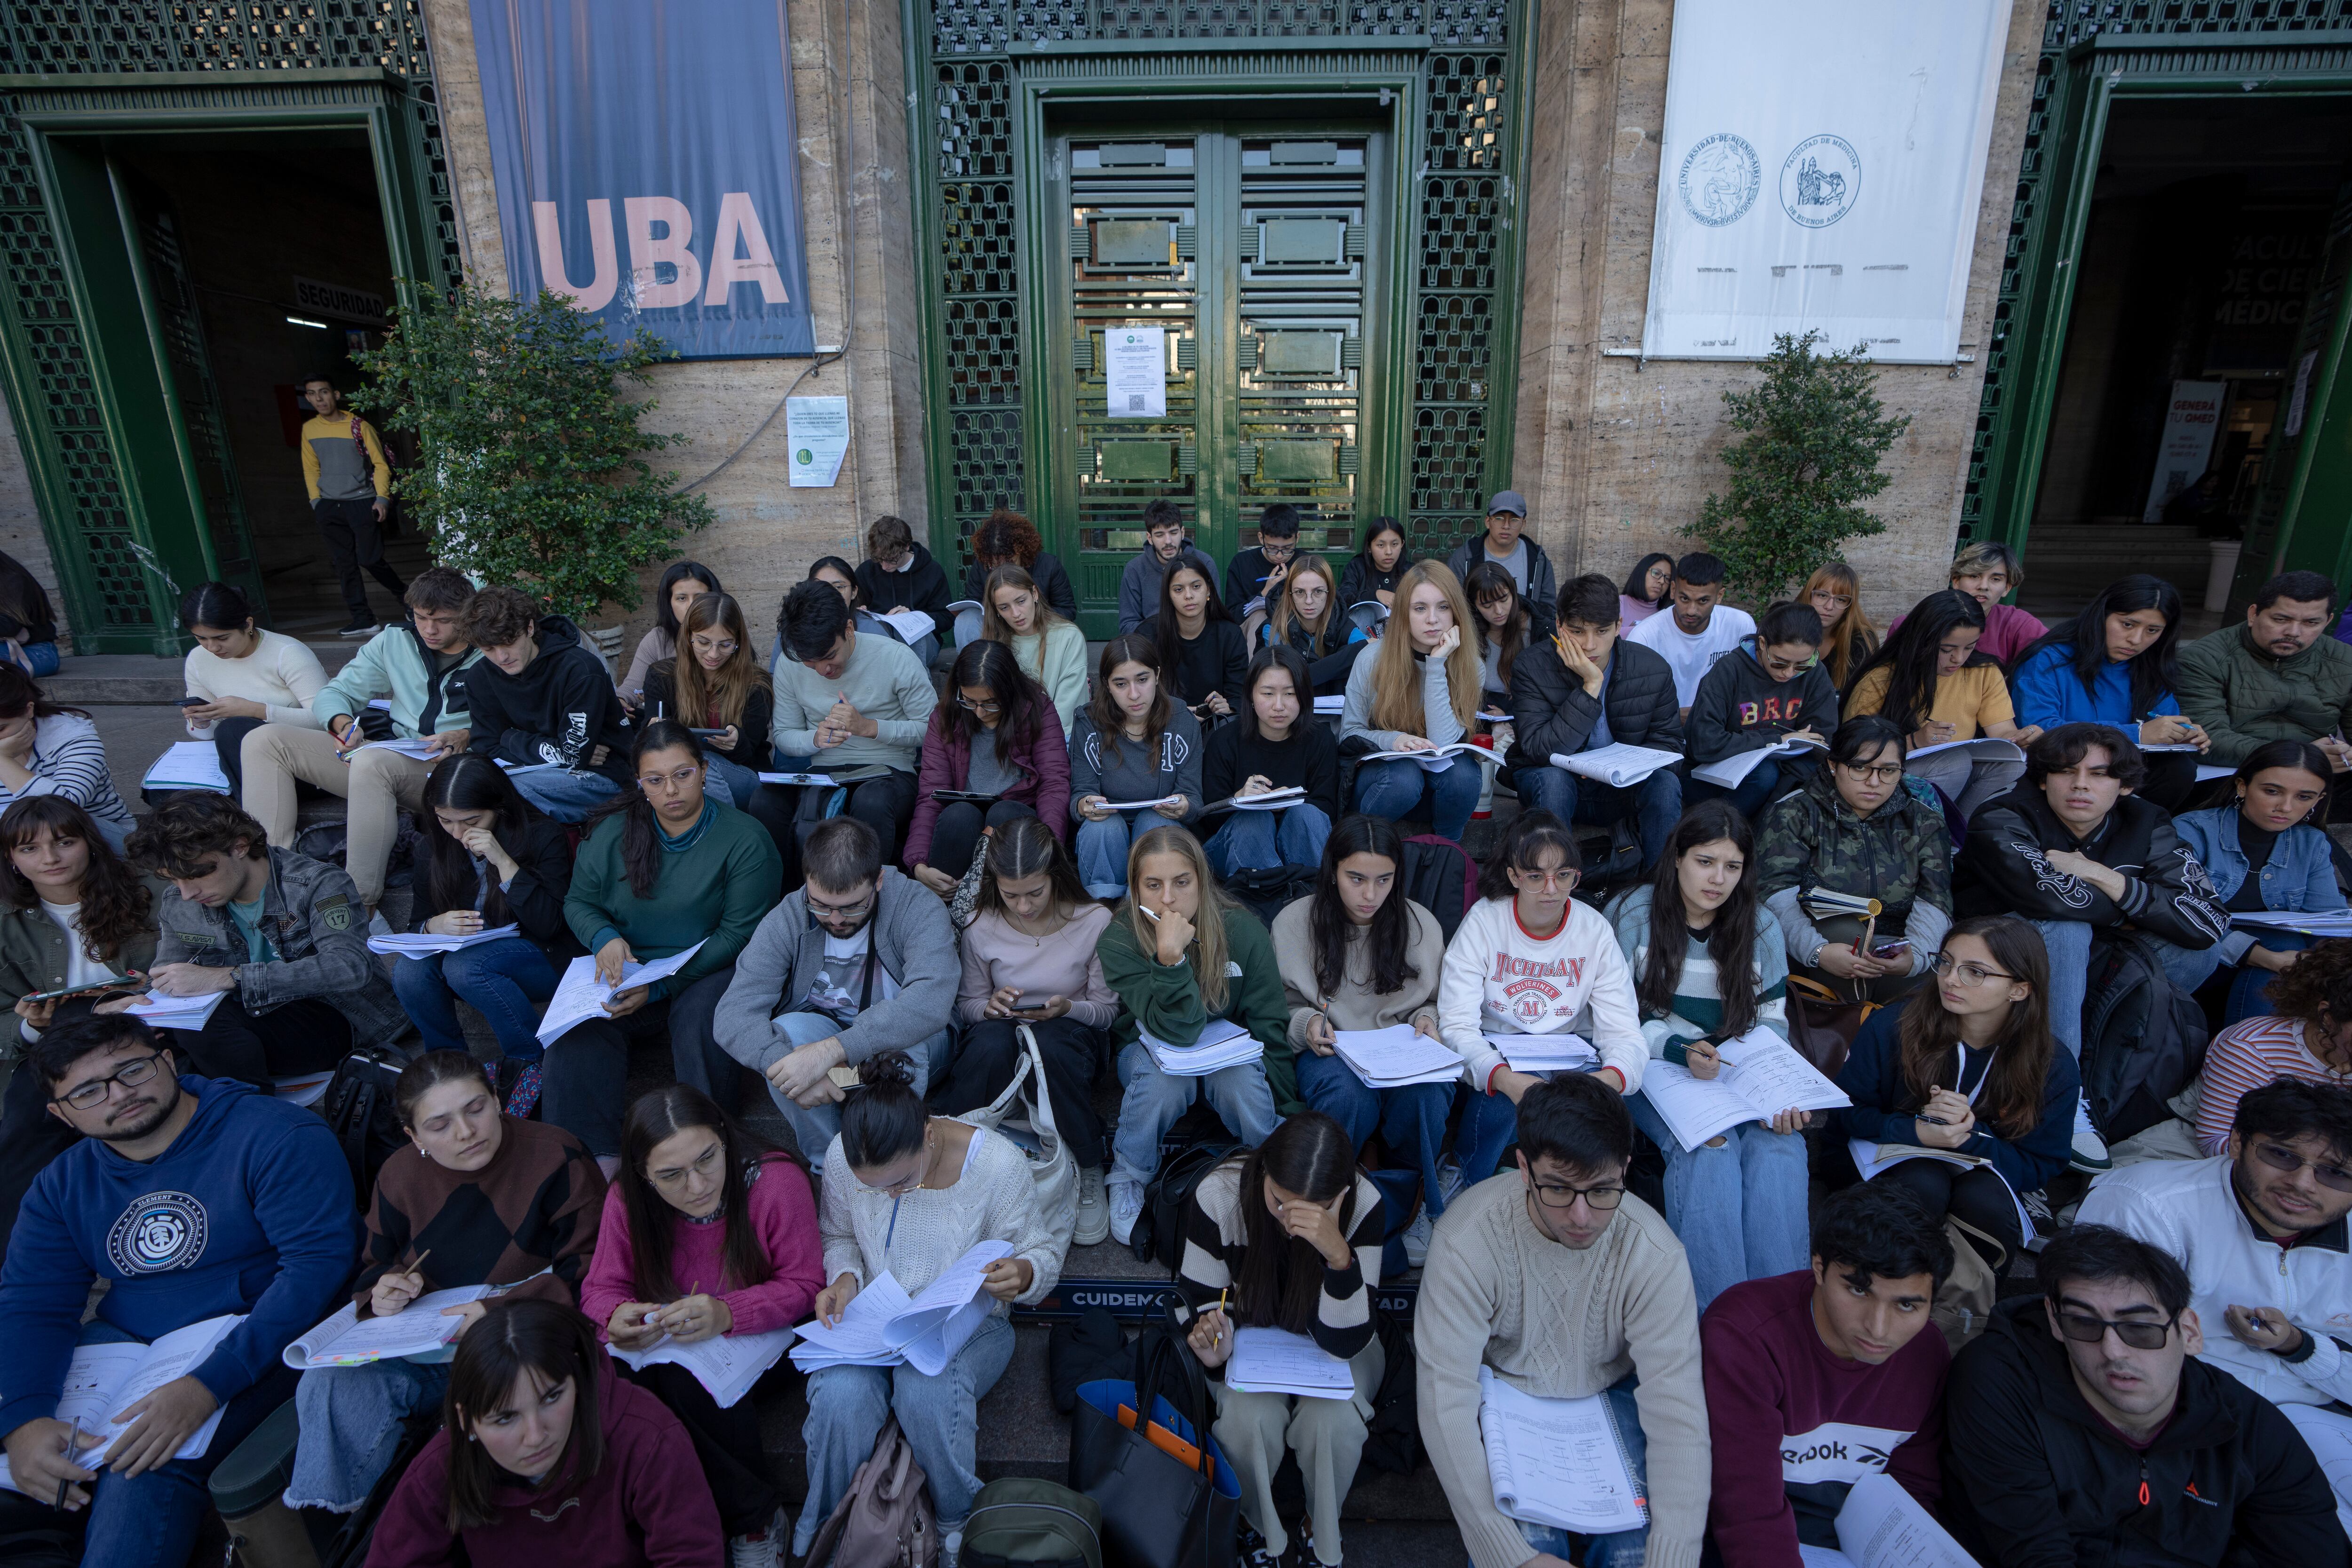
(1830, 1421)
(647, 1507)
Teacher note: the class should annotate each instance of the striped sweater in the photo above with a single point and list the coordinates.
(68, 760)
(1697, 1010)
(2246, 1056)
(1214, 1241)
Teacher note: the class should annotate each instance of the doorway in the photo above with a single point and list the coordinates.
(1251, 259)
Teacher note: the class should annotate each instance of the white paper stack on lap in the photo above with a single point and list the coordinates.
(1880, 1525)
(103, 1380)
(2310, 923)
(1762, 1076)
(1559, 1051)
(579, 995)
(1272, 800)
(1136, 804)
(1221, 1044)
(882, 1326)
(728, 1365)
(1331, 706)
(1618, 765)
(423, 943)
(166, 1012)
(912, 625)
(1984, 748)
(346, 1339)
(1556, 1461)
(1397, 1056)
(421, 748)
(1870, 1159)
(188, 764)
(1732, 770)
(1437, 759)
(1274, 1360)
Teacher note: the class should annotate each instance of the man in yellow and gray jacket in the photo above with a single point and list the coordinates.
(350, 495)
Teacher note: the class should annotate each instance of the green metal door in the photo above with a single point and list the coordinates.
(1257, 255)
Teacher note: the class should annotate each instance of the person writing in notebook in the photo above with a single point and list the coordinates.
(1565, 1287)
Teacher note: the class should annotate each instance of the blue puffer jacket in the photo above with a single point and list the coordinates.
(2298, 877)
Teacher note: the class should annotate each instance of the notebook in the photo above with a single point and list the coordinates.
(726, 1364)
(420, 944)
(1396, 1055)
(883, 1326)
(1761, 1076)
(188, 764)
(346, 1339)
(1870, 1159)
(1557, 1051)
(103, 1380)
(1274, 1361)
(1882, 1526)
(1731, 772)
(1559, 1462)
(579, 995)
(1221, 1044)
(1617, 766)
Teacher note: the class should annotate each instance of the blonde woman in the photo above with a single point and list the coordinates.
(1307, 617)
(1178, 953)
(714, 683)
(1052, 651)
(1418, 690)
(1834, 592)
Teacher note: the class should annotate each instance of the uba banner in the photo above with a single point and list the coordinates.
(644, 154)
(1820, 167)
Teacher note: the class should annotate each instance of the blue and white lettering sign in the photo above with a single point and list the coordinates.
(644, 154)
(1822, 166)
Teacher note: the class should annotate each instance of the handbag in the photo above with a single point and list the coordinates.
(1052, 1172)
(1964, 1301)
(964, 907)
(1823, 1024)
(1144, 1452)
(885, 1518)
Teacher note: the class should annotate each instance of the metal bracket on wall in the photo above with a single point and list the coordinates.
(1640, 357)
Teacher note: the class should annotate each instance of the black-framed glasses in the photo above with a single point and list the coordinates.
(2281, 1158)
(1970, 975)
(1275, 554)
(1553, 1195)
(969, 706)
(849, 912)
(1879, 773)
(130, 1075)
(2139, 1333)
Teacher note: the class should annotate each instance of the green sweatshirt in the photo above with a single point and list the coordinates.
(718, 882)
(1162, 997)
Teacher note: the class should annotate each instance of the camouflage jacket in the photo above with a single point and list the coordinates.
(1900, 853)
(311, 913)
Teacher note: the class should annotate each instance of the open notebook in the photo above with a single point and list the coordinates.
(1882, 1526)
(1560, 1462)
(884, 1326)
(1762, 1076)
(726, 1365)
(103, 1380)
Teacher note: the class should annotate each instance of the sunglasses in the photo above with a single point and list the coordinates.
(2138, 1333)
(2286, 1161)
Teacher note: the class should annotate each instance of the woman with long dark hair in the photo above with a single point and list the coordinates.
(1357, 954)
(1373, 573)
(1928, 676)
(1202, 648)
(2266, 851)
(1029, 960)
(715, 682)
(1645, 590)
(998, 737)
(242, 677)
(664, 867)
(682, 583)
(548, 1454)
(1709, 966)
(2113, 664)
(486, 861)
(1132, 743)
(1287, 1237)
(1968, 1064)
(1500, 614)
(714, 1233)
(47, 749)
(1275, 743)
(907, 1194)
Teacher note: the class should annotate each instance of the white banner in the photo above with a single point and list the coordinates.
(1822, 166)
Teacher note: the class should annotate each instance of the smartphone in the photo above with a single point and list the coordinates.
(1894, 949)
(706, 734)
(190, 701)
(124, 984)
(1030, 1008)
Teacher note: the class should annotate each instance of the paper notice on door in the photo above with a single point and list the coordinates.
(1135, 371)
(817, 431)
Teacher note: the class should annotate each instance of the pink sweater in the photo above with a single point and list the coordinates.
(783, 1211)
(996, 955)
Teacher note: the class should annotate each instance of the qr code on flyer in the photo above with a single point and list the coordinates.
(1135, 403)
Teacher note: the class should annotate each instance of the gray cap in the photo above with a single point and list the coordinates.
(1511, 501)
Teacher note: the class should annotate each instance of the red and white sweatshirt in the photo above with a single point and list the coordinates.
(1502, 979)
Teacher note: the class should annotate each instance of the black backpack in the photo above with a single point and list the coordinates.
(1160, 1229)
(2143, 1037)
(358, 1105)
(1392, 1437)
(1266, 891)
(1440, 876)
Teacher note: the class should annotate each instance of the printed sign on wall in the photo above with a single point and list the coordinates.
(1822, 166)
(644, 156)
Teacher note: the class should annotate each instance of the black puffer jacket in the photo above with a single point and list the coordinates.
(1551, 713)
(2004, 870)
(2033, 1478)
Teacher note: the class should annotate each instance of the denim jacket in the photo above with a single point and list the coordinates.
(311, 913)
(2299, 876)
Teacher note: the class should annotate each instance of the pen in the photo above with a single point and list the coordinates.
(1155, 918)
(1219, 1337)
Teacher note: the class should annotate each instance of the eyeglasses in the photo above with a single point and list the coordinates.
(849, 912)
(1884, 773)
(1563, 1197)
(2281, 1158)
(130, 1075)
(1276, 553)
(703, 1165)
(1551, 881)
(969, 706)
(2138, 1333)
(677, 779)
(1970, 974)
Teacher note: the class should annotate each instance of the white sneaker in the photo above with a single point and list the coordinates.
(1416, 1239)
(379, 926)
(1093, 1209)
(764, 1549)
(2090, 1149)
(1126, 1208)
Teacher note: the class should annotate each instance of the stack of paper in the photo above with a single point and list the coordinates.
(1731, 772)
(1437, 759)
(423, 943)
(1983, 749)
(1397, 1056)
(1882, 1526)
(1221, 1044)
(1274, 1360)
(579, 995)
(166, 1012)
(422, 749)
(1618, 765)
(1331, 706)
(1556, 1461)
(102, 1381)
(1559, 1051)
(2309, 923)
(824, 780)
(1871, 1159)
(188, 764)
(883, 1326)
(912, 625)
(1761, 1077)
(422, 1327)
(1272, 800)
(726, 1365)
(1136, 804)
(1826, 903)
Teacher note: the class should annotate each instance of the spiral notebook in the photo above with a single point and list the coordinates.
(1560, 1462)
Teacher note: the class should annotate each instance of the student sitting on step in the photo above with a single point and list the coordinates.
(45, 749)
(1274, 742)
(2266, 851)
(1418, 690)
(242, 677)
(1134, 742)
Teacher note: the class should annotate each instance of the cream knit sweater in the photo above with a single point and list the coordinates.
(993, 1199)
(1561, 1324)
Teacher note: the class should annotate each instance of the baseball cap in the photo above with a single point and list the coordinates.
(1511, 501)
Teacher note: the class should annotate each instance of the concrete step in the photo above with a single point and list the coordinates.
(120, 679)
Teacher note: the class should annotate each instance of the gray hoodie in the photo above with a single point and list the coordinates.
(781, 962)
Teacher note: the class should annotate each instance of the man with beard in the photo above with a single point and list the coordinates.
(192, 1197)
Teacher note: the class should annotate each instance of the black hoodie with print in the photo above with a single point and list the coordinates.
(559, 709)
(1740, 706)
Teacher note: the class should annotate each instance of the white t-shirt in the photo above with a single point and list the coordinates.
(81, 969)
(1690, 657)
(841, 983)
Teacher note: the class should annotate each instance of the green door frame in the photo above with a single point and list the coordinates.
(2083, 93)
(64, 120)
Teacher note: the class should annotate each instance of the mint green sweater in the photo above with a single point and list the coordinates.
(1164, 998)
(720, 885)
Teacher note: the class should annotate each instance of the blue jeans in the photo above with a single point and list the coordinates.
(1412, 1119)
(816, 1127)
(352, 1417)
(1255, 840)
(1400, 789)
(731, 782)
(509, 982)
(1627, 1547)
(151, 1520)
(2069, 943)
(940, 1416)
(1154, 1099)
(1100, 849)
(2250, 986)
(36, 658)
(1489, 1123)
(1738, 1207)
(1655, 805)
(565, 795)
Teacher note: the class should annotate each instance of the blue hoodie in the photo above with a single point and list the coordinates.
(2048, 692)
(248, 1211)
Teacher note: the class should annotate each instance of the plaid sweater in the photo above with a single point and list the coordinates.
(533, 1210)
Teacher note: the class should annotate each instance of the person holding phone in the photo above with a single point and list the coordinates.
(2115, 664)
(1201, 648)
(240, 678)
(715, 686)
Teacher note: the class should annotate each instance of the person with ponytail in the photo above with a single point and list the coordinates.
(1289, 1234)
(1029, 959)
(713, 1234)
(488, 861)
(2266, 851)
(1418, 690)
(907, 1194)
(241, 677)
(999, 737)
(1709, 965)
(664, 866)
